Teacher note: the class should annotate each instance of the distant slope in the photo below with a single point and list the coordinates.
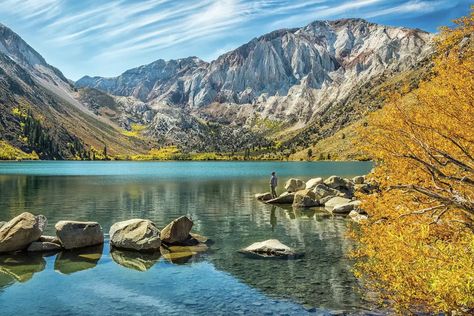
(39, 110)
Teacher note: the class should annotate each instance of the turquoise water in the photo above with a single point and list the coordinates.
(218, 196)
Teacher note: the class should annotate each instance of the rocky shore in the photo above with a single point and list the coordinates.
(24, 233)
(336, 194)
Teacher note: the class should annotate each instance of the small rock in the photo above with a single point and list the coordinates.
(135, 234)
(293, 185)
(271, 248)
(21, 231)
(73, 234)
(358, 180)
(305, 198)
(346, 208)
(311, 183)
(356, 217)
(177, 231)
(285, 198)
(53, 239)
(263, 196)
(43, 246)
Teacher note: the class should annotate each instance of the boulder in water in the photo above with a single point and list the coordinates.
(336, 201)
(293, 185)
(345, 208)
(21, 231)
(43, 246)
(305, 198)
(312, 183)
(285, 198)
(73, 234)
(135, 234)
(271, 248)
(263, 196)
(177, 231)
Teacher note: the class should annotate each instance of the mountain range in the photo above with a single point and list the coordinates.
(272, 96)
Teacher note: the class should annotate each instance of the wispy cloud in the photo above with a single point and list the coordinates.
(111, 33)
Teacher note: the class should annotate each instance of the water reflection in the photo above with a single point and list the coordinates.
(135, 260)
(72, 261)
(20, 267)
(222, 209)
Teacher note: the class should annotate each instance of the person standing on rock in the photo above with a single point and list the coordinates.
(273, 184)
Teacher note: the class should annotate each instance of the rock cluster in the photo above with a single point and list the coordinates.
(335, 194)
(24, 233)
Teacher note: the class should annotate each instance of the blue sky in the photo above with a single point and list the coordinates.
(105, 38)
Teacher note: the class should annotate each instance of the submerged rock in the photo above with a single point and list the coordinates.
(135, 234)
(177, 231)
(22, 230)
(293, 185)
(43, 246)
(182, 254)
(271, 248)
(53, 239)
(73, 234)
(263, 196)
(285, 198)
(305, 198)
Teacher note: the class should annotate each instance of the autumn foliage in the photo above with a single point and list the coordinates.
(417, 249)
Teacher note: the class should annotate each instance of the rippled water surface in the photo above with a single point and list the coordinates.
(219, 197)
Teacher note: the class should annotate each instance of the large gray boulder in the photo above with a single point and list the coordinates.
(43, 246)
(271, 248)
(305, 198)
(336, 201)
(135, 234)
(311, 183)
(322, 191)
(74, 234)
(22, 230)
(284, 198)
(177, 231)
(335, 182)
(293, 185)
(345, 208)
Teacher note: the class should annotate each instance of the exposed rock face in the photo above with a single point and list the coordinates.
(22, 230)
(290, 74)
(177, 231)
(43, 246)
(73, 234)
(312, 183)
(305, 198)
(293, 185)
(135, 234)
(271, 248)
(284, 198)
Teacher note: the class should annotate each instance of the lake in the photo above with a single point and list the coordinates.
(219, 197)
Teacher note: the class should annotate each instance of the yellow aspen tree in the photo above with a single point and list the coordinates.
(417, 248)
